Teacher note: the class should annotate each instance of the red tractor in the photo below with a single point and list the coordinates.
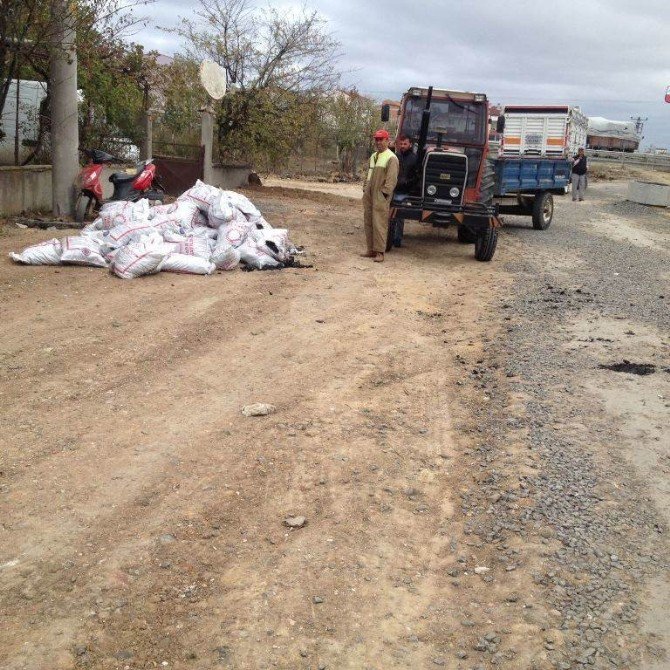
(454, 180)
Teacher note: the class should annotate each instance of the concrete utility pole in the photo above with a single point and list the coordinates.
(148, 144)
(207, 140)
(64, 116)
(147, 148)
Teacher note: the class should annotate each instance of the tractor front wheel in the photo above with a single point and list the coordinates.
(465, 235)
(485, 245)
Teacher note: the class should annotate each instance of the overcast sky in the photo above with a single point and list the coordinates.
(611, 57)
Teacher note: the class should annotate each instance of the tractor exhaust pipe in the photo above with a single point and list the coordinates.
(423, 132)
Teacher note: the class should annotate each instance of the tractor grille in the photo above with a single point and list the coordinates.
(444, 171)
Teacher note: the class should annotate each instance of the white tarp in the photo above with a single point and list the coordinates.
(602, 127)
(204, 230)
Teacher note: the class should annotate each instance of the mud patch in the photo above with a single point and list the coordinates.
(630, 368)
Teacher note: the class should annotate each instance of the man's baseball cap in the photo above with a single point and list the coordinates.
(381, 134)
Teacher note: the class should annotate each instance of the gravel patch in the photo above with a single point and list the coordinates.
(576, 495)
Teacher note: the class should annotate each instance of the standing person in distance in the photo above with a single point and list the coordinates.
(406, 175)
(579, 169)
(377, 192)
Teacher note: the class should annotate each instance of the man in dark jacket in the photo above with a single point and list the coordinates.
(579, 169)
(407, 160)
(406, 176)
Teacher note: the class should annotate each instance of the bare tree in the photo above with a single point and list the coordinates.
(263, 48)
(275, 60)
(351, 117)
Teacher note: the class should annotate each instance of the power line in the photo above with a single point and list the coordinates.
(387, 92)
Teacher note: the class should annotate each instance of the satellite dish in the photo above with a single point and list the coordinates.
(213, 79)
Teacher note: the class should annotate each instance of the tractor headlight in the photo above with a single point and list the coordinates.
(431, 190)
(454, 192)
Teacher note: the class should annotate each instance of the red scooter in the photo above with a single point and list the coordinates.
(142, 184)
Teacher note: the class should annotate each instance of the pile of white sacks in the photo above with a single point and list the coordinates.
(204, 230)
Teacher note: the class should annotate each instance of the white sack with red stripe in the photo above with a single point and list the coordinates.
(44, 253)
(225, 256)
(186, 264)
(203, 195)
(82, 250)
(139, 258)
(257, 256)
(122, 213)
(241, 202)
(181, 214)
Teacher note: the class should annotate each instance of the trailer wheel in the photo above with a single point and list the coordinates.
(485, 246)
(543, 211)
(465, 235)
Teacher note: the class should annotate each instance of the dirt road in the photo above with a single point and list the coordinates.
(478, 493)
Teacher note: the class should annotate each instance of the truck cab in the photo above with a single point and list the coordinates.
(454, 180)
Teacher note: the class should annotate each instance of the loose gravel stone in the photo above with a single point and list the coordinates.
(258, 409)
(295, 521)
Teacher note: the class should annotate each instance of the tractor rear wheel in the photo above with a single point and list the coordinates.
(488, 183)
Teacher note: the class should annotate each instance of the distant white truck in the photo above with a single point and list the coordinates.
(546, 131)
(31, 94)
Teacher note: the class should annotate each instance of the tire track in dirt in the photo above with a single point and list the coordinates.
(160, 539)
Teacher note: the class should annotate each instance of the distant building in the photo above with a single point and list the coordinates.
(494, 112)
(394, 108)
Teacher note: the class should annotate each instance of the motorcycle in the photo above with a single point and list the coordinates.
(132, 187)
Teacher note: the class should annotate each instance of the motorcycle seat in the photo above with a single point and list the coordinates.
(121, 177)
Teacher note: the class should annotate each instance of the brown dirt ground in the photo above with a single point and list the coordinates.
(141, 513)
